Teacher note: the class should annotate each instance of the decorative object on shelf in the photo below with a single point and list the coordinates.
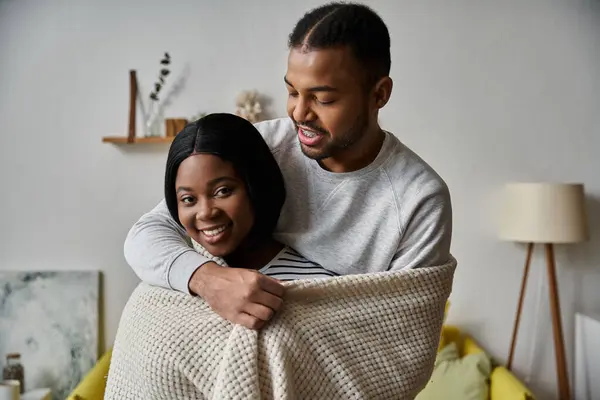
(153, 122)
(174, 125)
(52, 319)
(158, 104)
(131, 124)
(547, 214)
(164, 72)
(13, 370)
(247, 105)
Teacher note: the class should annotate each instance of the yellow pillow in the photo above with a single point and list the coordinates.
(93, 384)
(456, 378)
(442, 342)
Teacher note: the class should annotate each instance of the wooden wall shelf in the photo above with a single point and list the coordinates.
(172, 126)
(136, 140)
(131, 138)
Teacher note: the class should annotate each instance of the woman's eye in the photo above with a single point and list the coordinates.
(187, 200)
(222, 192)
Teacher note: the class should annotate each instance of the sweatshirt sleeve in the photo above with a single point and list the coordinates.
(158, 251)
(426, 232)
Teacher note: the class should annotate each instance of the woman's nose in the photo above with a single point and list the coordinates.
(206, 211)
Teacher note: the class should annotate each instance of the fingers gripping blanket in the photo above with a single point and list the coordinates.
(371, 336)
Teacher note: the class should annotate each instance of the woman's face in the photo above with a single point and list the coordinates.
(213, 203)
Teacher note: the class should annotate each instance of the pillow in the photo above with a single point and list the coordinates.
(456, 378)
(442, 342)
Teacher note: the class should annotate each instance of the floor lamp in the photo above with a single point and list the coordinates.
(547, 214)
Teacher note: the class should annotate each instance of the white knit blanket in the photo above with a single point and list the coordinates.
(371, 336)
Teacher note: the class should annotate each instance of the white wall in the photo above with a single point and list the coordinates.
(486, 91)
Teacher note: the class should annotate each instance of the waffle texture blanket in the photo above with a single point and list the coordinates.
(371, 336)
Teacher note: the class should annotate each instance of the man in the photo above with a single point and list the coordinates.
(358, 200)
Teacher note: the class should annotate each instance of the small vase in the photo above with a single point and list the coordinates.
(154, 123)
(153, 127)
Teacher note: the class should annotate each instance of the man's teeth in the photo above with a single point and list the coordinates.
(309, 134)
(215, 232)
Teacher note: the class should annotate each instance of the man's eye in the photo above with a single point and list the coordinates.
(293, 94)
(323, 102)
(223, 192)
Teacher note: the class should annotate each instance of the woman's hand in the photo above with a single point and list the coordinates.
(242, 296)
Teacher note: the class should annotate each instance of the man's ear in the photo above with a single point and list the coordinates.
(383, 91)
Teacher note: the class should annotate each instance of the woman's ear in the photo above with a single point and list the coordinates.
(383, 91)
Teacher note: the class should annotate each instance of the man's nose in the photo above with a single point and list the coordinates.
(302, 111)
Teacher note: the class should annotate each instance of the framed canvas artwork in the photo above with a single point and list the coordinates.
(51, 319)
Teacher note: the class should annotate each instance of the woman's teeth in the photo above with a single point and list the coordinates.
(215, 232)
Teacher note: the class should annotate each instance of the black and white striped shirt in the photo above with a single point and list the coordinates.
(289, 265)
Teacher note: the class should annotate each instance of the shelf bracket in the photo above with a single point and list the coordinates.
(133, 90)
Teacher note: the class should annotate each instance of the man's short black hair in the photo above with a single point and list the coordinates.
(347, 24)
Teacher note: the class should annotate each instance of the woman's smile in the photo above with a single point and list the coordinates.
(216, 233)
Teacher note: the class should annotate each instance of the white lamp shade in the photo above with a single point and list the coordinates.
(543, 213)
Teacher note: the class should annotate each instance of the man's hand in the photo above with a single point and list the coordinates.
(242, 296)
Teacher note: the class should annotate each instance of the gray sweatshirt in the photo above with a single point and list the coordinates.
(395, 213)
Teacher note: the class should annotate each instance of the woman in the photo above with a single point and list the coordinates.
(224, 187)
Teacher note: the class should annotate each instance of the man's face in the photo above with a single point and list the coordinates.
(327, 101)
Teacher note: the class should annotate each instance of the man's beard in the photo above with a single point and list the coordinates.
(334, 145)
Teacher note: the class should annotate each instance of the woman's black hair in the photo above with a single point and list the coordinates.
(236, 140)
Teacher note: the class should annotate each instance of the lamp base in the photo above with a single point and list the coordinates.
(559, 344)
